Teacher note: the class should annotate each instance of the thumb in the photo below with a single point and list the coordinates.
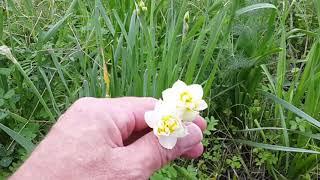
(152, 156)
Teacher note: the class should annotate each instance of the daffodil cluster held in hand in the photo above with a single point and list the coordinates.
(180, 104)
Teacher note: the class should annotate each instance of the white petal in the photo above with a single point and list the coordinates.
(158, 105)
(155, 131)
(179, 84)
(180, 112)
(167, 108)
(167, 142)
(151, 118)
(189, 115)
(202, 105)
(196, 91)
(181, 132)
(169, 94)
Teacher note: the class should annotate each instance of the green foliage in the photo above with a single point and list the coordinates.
(264, 157)
(175, 172)
(234, 163)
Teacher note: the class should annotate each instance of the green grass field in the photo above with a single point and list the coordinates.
(258, 61)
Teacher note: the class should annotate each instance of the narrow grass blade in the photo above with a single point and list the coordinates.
(259, 129)
(72, 6)
(293, 109)
(59, 69)
(105, 17)
(271, 81)
(226, 90)
(52, 31)
(46, 81)
(309, 135)
(195, 57)
(216, 25)
(145, 83)
(1, 22)
(121, 25)
(209, 82)
(15, 116)
(28, 145)
(28, 7)
(255, 7)
(275, 147)
(317, 7)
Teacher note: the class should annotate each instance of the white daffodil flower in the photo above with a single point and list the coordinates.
(188, 99)
(166, 123)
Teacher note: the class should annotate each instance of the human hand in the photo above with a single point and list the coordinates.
(105, 139)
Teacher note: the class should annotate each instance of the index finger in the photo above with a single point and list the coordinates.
(129, 117)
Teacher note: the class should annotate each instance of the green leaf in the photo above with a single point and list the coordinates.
(28, 145)
(293, 109)
(6, 161)
(53, 30)
(255, 7)
(105, 17)
(5, 71)
(1, 102)
(275, 147)
(3, 115)
(184, 173)
(9, 94)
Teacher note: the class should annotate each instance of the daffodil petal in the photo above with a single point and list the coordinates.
(159, 104)
(189, 115)
(151, 118)
(202, 105)
(196, 91)
(167, 142)
(179, 84)
(169, 95)
(181, 132)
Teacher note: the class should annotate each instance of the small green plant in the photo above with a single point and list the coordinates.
(264, 157)
(175, 172)
(211, 127)
(234, 162)
(298, 124)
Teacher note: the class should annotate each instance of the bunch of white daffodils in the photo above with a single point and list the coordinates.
(181, 104)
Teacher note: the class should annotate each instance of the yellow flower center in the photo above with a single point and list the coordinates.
(186, 97)
(169, 124)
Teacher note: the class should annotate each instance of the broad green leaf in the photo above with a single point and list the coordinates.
(28, 145)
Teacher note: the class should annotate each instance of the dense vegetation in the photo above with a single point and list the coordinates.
(258, 61)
